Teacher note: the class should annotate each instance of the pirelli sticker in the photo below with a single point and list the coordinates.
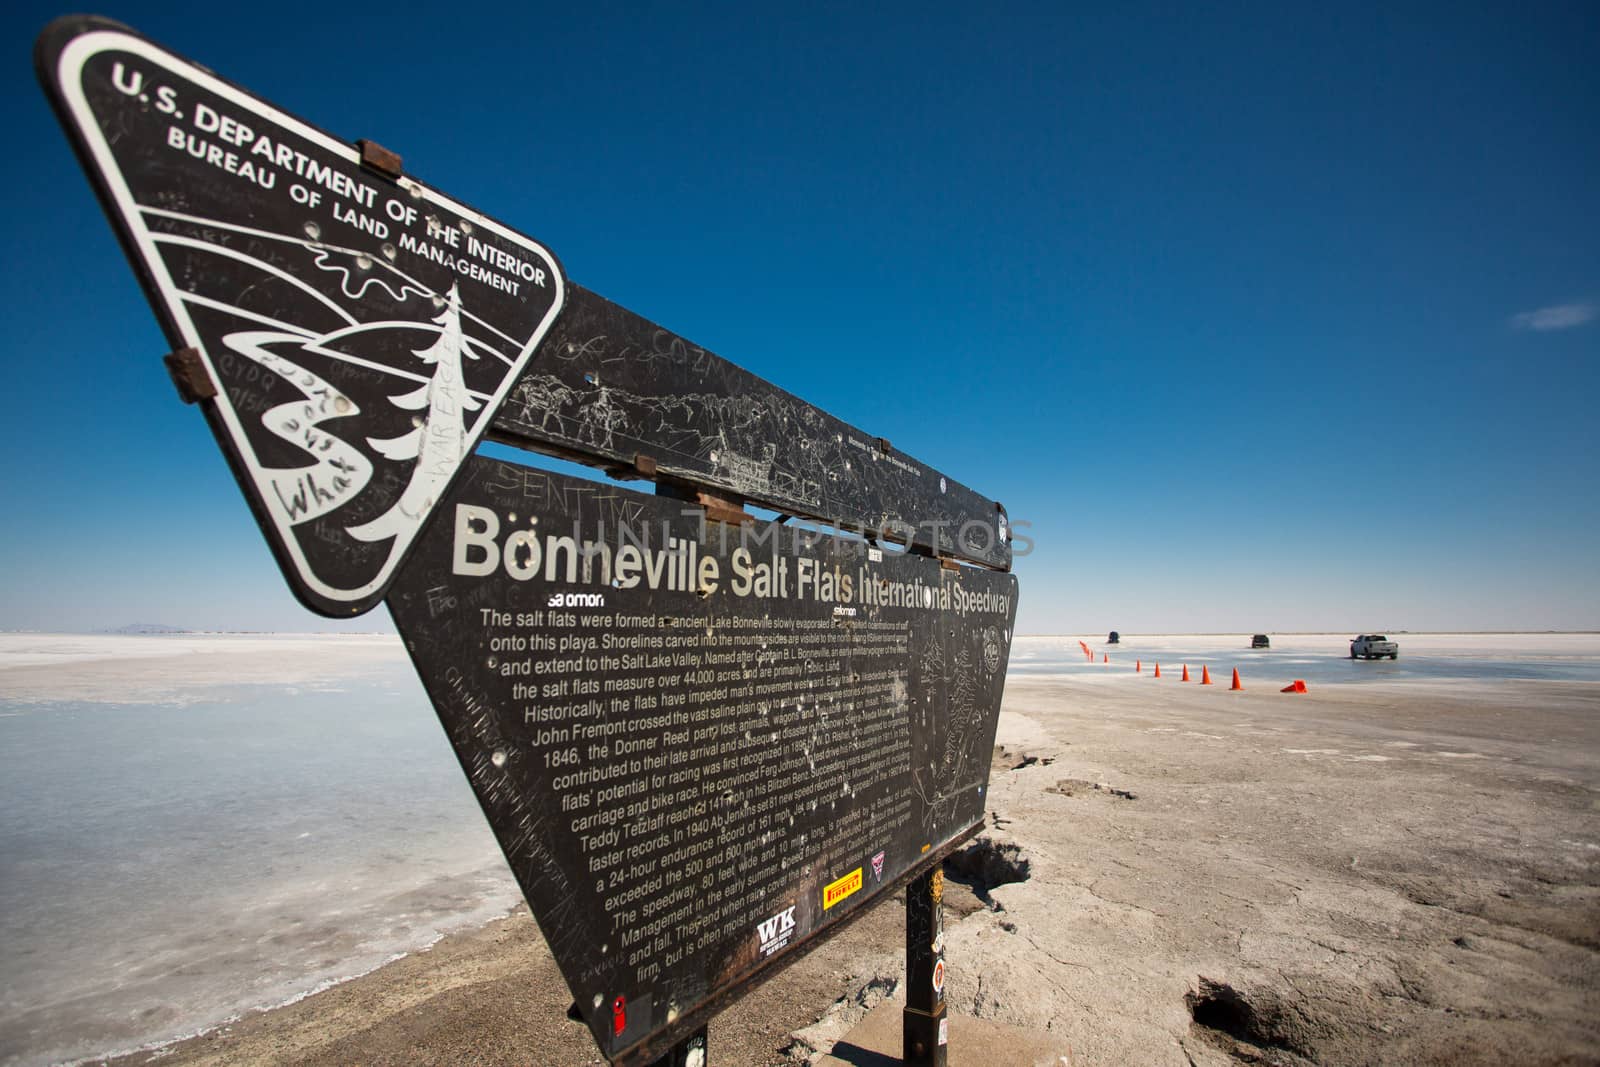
(840, 889)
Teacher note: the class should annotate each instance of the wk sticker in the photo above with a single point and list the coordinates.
(360, 329)
(776, 931)
(839, 889)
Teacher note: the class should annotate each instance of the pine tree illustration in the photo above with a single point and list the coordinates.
(440, 440)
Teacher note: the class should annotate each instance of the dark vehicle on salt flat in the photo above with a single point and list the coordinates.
(1260, 641)
(1114, 639)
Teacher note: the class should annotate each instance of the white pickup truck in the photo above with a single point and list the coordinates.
(1373, 646)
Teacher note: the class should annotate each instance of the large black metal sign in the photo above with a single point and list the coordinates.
(702, 741)
(699, 744)
(360, 328)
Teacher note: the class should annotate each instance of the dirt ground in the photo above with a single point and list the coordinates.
(1382, 874)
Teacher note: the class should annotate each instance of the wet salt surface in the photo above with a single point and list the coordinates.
(1320, 658)
(165, 866)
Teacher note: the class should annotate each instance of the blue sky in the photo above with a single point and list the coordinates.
(1280, 317)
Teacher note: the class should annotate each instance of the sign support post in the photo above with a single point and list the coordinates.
(690, 1052)
(925, 1028)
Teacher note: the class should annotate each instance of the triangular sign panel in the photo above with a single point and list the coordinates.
(360, 328)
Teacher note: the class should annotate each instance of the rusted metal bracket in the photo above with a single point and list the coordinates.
(189, 374)
(949, 564)
(884, 445)
(375, 157)
(726, 509)
(722, 509)
(643, 467)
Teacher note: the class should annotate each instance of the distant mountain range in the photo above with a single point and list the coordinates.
(146, 628)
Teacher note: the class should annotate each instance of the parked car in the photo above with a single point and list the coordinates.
(1114, 639)
(1260, 641)
(1373, 646)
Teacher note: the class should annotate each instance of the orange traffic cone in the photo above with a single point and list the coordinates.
(1205, 674)
(1104, 658)
(1186, 672)
(1235, 684)
(1158, 670)
(1296, 686)
(1138, 666)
